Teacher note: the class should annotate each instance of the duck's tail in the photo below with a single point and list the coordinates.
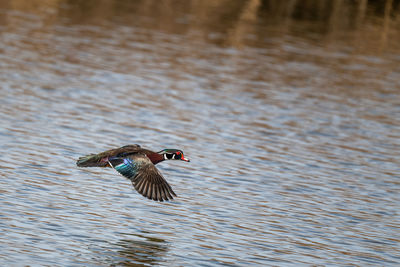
(92, 160)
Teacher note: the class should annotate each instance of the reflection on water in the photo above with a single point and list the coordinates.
(289, 111)
(139, 250)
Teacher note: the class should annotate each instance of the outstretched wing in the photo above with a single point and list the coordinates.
(145, 177)
(101, 159)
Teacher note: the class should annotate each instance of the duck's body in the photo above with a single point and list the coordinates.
(137, 164)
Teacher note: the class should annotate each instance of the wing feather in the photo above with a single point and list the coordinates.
(145, 177)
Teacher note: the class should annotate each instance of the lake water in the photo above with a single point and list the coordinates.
(289, 112)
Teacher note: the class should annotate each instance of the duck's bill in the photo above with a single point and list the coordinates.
(185, 159)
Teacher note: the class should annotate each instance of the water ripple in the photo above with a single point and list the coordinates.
(293, 145)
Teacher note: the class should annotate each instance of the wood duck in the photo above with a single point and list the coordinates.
(137, 164)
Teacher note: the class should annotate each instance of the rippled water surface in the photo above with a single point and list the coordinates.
(290, 114)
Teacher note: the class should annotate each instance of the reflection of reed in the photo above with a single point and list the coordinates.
(133, 252)
(386, 21)
(360, 14)
(369, 24)
(246, 19)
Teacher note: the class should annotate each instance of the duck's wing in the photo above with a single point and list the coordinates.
(101, 159)
(121, 151)
(145, 177)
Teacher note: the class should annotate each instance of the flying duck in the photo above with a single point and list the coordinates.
(138, 165)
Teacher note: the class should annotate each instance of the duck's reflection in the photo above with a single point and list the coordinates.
(139, 250)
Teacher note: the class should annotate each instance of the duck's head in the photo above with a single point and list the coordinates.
(173, 154)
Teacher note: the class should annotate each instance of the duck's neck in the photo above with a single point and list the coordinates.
(155, 157)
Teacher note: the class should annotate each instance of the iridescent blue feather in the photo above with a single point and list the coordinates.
(127, 168)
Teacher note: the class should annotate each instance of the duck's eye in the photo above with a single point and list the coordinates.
(178, 155)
